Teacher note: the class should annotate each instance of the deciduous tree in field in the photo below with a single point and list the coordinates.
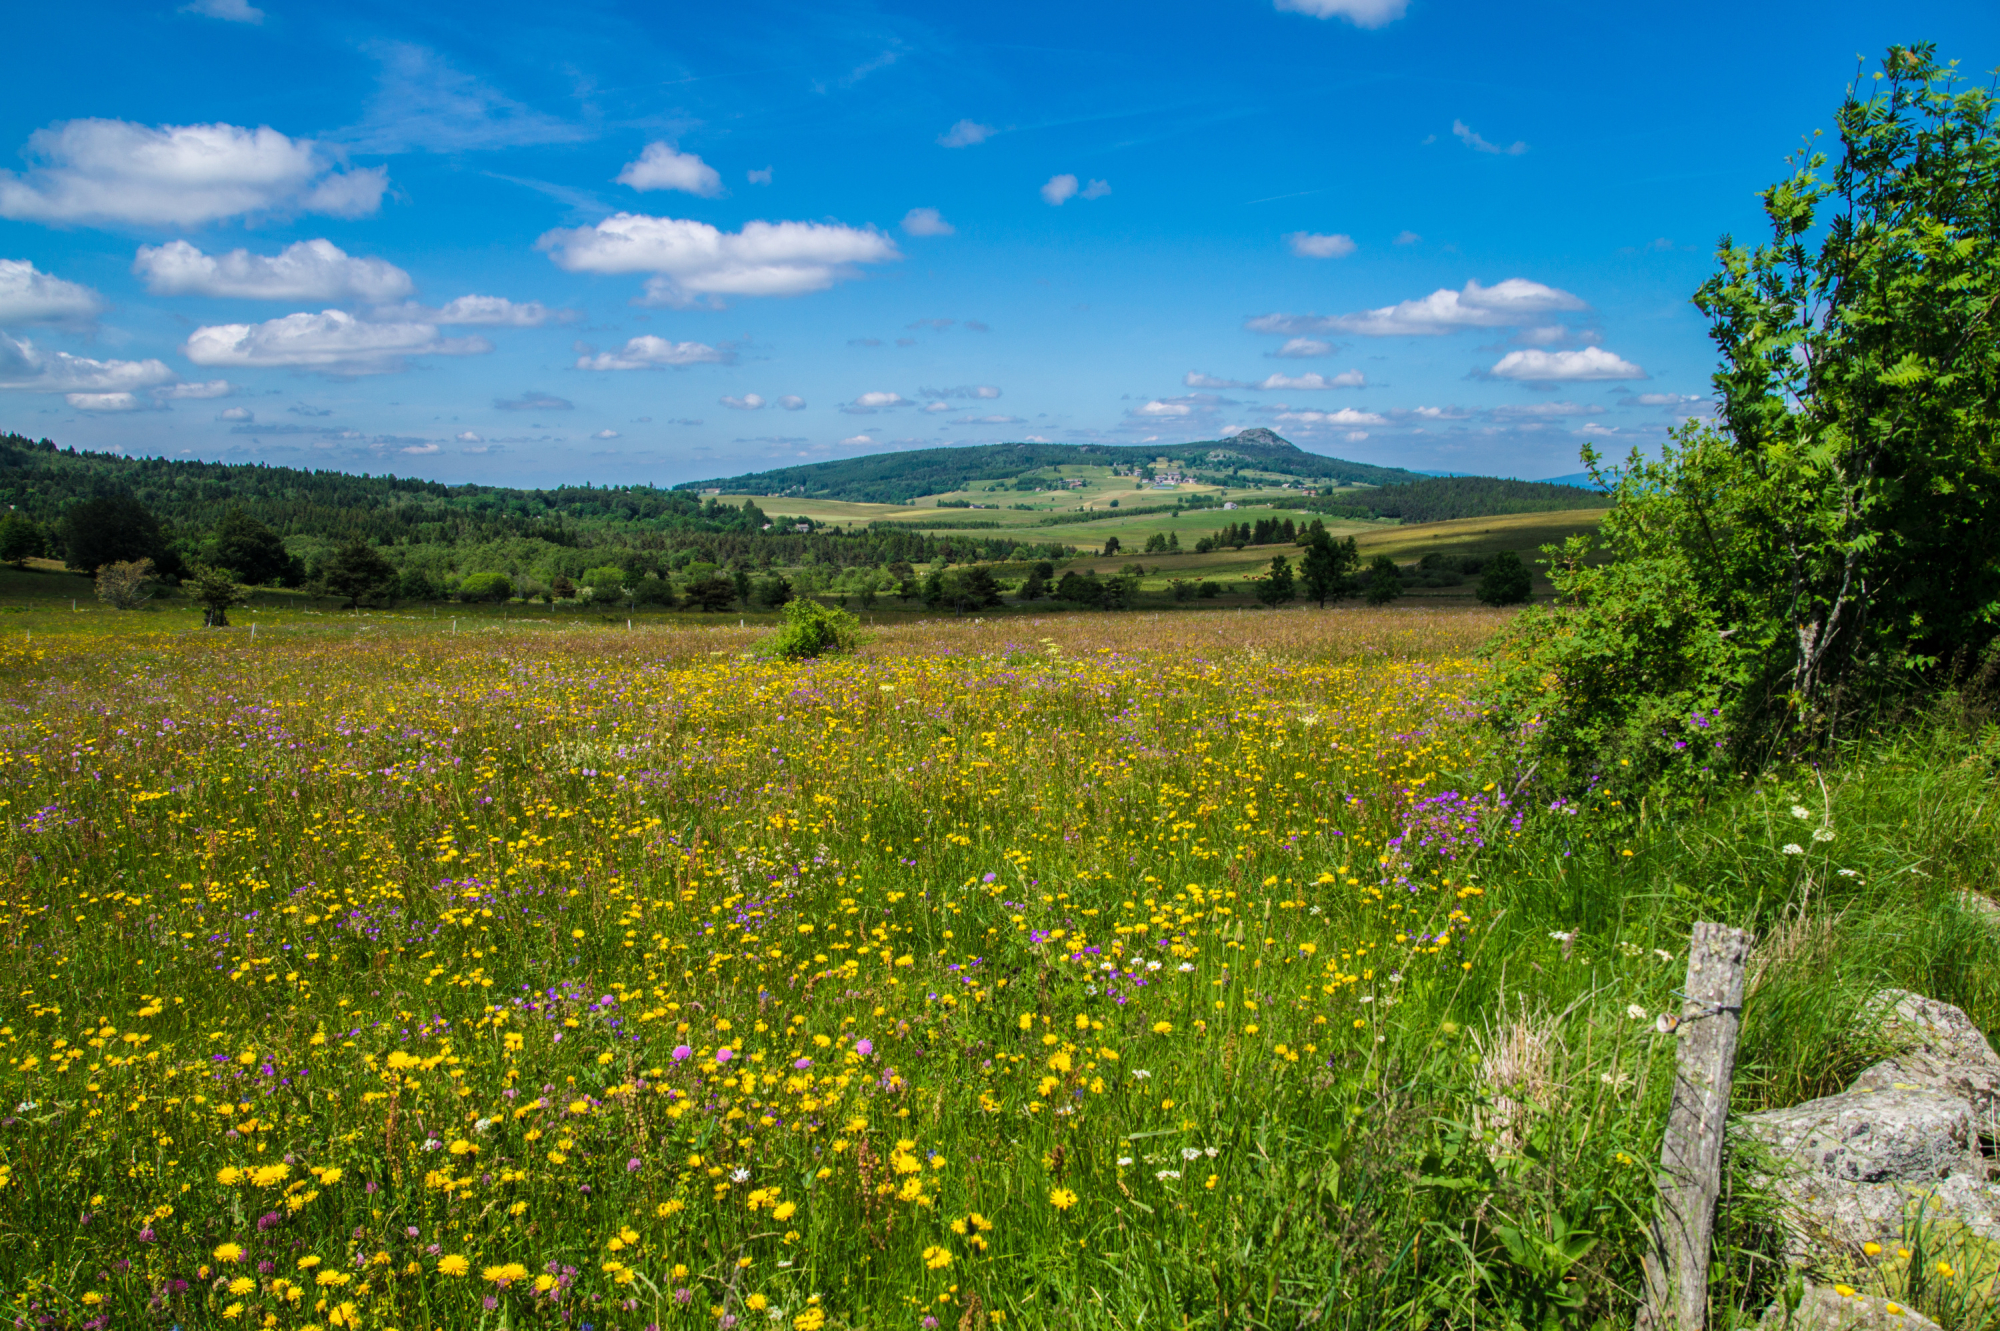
(1831, 544)
(1505, 580)
(122, 583)
(356, 572)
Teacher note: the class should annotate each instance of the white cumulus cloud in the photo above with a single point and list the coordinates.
(866, 404)
(964, 134)
(1059, 190)
(1507, 304)
(1589, 365)
(660, 166)
(307, 270)
(694, 262)
(1345, 379)
(857, 441)
(1345, 416)
(1164, 410)
(1361, 13)
(655, 353)
(332, 340)
(606, 434)
(927, 222)
(1309, 245)
(28, 295)
(1196, 379)
(792, 402)
(1471, 139)
(241, 415)
(1299, 348)
(23, 365)
(748, 402)
(107, 403)
(113, 171)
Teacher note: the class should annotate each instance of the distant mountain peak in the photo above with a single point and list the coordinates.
(1257, 434)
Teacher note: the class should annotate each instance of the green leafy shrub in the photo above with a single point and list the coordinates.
(812, 629)
(1505, 580)
(485, 587)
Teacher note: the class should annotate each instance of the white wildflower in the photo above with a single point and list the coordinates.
(1190, 1153)
(740, 1175)
(1141, 1073)
(1211, 1152)
(1635, 1012)
(1165, 1174)
(1794, 848)
(1848, 873)
(1822, 834)
(1124, 1161)
(1801, 811)
(1185, 967)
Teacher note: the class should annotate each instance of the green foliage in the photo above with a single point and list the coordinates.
(606, 582)
(115, 528)
(121, 583)
(898, 478)
(1385, 581)
(1084, 589)
(559, 531)
(812, 629)
(1835, 545)
(1443, 498)
(1505, 580)
(253, 553)
(1036, 585)
(1277, 586)
(214, 590)
(773, 592)
(21, 539)
(356, 572)
(1111, 544)
(1326, 570)
(712, 593)
(485, 587)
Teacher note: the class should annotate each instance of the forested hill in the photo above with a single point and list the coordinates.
(1442, 498)
(41, 480)
(897, 478)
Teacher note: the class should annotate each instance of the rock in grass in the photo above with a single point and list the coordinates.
(1825, 1308)
(1913, 1135)
(1946, 1053)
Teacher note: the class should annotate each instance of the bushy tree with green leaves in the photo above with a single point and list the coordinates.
(21, 539)
(1326, 570)
(1505, 580)
(355, 572)
(214, 590)
(812, 629)
(1277, 586)
(1385, 581)
(1831, 542)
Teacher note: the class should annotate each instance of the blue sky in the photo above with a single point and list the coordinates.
(529, 244)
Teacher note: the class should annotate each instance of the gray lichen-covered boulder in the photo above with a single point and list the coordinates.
(1946, 1053)
(1826, 1309)
(1850, 1169)
(1887, 1136)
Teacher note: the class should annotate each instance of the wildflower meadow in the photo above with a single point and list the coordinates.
(1092, 972)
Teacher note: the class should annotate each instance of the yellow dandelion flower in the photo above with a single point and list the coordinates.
(1061, 1198)
(451, 1264)
(936, 1258)
(229, 1252)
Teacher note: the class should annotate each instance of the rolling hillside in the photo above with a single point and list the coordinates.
(898, 478)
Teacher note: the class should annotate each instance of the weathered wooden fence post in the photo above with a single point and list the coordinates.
(1691, 1155)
